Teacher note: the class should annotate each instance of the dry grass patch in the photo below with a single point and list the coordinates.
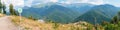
(1, 15)
(35, 25)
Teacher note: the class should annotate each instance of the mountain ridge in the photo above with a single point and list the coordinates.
(101, 12)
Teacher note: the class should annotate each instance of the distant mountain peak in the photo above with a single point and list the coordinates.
(106, 5)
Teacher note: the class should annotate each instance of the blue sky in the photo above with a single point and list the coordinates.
(22, 3)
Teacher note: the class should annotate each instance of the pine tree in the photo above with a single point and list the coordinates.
(116, 19)
(4, 7)
(0, 6)
(114, 25)
(12, 10)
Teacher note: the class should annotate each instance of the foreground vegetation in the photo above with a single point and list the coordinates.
(32, 24)
(29, 24)
(114, 24)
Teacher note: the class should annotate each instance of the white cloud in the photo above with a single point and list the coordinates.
(65, 2)
(19, 3)
(28, 3)
(53, 0)
(96, 2)
(32, 2)
(6, 2)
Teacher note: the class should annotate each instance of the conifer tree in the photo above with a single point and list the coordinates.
(12, 10)
(4, 7)
(0, 6)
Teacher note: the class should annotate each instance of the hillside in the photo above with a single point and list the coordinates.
(99, 13)
(29, 24)
(80, 7)
(55, 13)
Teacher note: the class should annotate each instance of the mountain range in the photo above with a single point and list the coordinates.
(55, 13)
(69, 13)
(99, 13)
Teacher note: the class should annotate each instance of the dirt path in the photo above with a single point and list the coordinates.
(6, 24)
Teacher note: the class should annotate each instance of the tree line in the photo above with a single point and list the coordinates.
(3, 10)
